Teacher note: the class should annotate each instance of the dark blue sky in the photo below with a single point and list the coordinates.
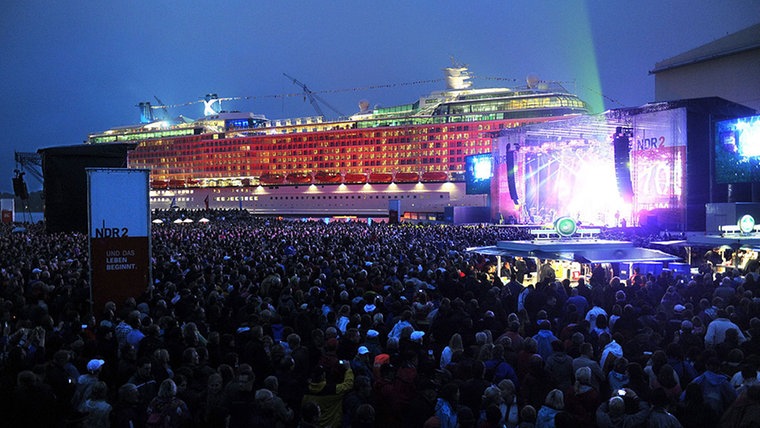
(70, 68)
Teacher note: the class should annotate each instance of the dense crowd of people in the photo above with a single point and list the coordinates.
(269, 322)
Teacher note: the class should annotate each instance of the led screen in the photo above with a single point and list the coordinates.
(737, 150)
(478, 174)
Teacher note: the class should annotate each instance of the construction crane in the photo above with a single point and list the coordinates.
(313, 98)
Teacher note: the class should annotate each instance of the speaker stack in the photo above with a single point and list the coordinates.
(511, 176)
(19, 187)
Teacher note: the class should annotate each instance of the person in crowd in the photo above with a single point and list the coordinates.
(310, 415)
(552, 406)
(716, 330)
(613, 413)
(28, 399)
(446, 406)
(127, 412)
(560, 366)
(96, 408)
(586, 359)
(659, 415)
(454, 345)
(716, 390)
(745, 411)
(329, 396)
(692, 412)
(166, 410)
(582, 399)
(282, 414)
(87, 381)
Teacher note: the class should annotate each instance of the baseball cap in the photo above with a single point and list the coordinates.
(362, 350)
(94, 365)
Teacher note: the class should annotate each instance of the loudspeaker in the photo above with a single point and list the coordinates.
(622, 146)
(511, 176)
(19, 188)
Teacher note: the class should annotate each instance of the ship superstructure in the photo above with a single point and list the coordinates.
(351, 166)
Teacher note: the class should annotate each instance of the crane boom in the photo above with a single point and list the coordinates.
(29, 162)
(313, 98)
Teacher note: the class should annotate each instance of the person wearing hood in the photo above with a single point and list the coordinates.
(544, 339)
(716, 389)
(329, 396)
(560, 365)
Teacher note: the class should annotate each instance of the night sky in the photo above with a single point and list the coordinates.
(70, 68)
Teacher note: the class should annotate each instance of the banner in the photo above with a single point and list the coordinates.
(119, 234)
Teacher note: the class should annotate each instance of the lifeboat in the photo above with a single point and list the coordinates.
(176, 184)
(355, 178)
(328, 177)
(159, 184)
(298, 178)
(406, 177)
(433, 176)
(380, 177)
(270, 178)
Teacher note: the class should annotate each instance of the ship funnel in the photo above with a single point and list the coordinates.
(211, 105)
(146, 112)
(457, 78)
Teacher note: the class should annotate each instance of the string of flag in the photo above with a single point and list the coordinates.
(335, 91)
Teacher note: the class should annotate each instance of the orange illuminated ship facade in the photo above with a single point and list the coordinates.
(239, 158)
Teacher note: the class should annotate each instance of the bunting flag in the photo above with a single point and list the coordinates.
(205, 202)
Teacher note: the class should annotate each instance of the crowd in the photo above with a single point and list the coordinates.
(266, 322)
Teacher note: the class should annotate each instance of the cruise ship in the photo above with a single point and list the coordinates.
(354, 166)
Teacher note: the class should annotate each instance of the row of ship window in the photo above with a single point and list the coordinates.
(256, 198)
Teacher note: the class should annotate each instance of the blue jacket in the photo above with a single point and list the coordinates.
(716, 390)
(544, 339)
(545, 417)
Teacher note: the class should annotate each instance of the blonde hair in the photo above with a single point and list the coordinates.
(555, 399)
(167, 389)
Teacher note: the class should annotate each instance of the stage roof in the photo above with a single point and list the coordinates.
(582, 251)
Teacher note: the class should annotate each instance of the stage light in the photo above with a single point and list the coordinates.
(565, 226)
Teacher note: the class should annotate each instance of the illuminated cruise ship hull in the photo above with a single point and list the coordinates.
(418, 200)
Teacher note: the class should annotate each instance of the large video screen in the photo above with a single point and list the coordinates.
(737, 150)
(478, 174)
